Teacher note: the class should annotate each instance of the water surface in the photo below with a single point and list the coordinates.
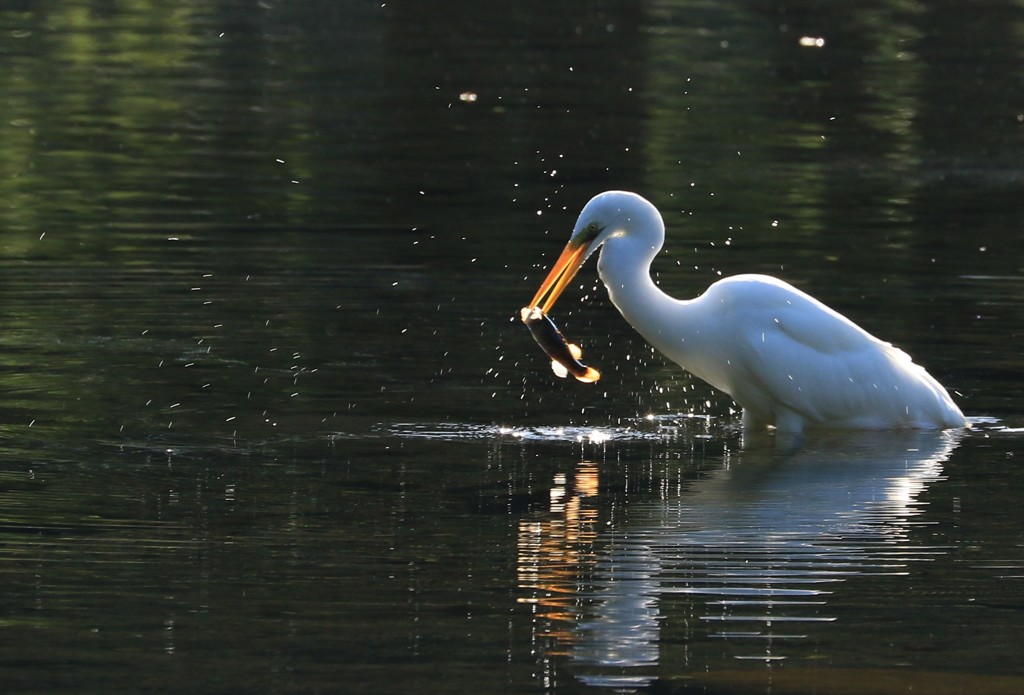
(270, 424)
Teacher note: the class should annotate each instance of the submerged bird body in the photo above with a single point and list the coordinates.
(787, 359)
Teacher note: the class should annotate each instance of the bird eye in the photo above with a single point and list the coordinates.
(591, 230)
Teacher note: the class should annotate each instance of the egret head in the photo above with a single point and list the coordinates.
(608, 215)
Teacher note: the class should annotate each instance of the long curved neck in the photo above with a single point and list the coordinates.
(677, 328)
(625, 269)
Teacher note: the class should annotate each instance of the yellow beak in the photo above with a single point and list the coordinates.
(562, 273)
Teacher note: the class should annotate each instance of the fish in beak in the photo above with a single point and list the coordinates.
(565, 357)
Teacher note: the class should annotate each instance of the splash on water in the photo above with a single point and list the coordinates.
(649, 428)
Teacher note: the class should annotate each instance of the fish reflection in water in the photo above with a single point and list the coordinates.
(757, 547)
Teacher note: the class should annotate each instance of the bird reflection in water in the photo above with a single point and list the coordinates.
(743, 564)
(556, 554)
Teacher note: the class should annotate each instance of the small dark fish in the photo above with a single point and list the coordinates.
(561, 351)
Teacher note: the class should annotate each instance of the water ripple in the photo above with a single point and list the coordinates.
(650, 428)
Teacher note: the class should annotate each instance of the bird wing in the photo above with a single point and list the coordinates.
(796, 352)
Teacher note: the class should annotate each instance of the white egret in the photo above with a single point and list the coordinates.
(787, 359)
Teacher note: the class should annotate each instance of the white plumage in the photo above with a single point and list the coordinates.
(786, 358)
